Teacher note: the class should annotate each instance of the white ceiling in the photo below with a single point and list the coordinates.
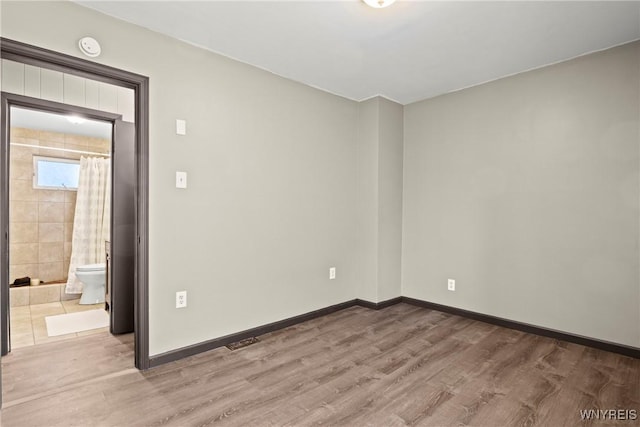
(51, 122)
(409, 51)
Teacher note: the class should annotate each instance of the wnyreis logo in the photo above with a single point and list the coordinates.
(609, 414)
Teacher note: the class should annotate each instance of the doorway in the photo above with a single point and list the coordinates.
(35, 56)
(69, 163)
(60, 210)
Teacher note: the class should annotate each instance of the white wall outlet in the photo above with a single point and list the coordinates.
(181, 180)
(332, 273)
(451, 284)
(181, 299)
(181, 127)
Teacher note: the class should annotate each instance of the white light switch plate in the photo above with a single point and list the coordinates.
(181, 127)
(181, 180)
(332, 273)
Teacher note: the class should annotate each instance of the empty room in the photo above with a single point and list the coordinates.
(349, 213)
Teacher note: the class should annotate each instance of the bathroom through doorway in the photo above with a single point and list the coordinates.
(81, 163)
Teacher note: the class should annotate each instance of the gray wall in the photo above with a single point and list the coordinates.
(526, 191)
(271, 163)
(367, 200)
(379, 207)
(390, 148)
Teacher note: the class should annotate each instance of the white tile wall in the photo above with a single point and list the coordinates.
(108, 97)
(32, 81)
(126, 104)
(55, 86)
(73, 90)
(51, 85)
(92, 94)
(13, 77)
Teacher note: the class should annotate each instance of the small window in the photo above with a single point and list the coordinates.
(52, 173)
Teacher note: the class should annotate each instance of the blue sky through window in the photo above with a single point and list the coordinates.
(57, 173)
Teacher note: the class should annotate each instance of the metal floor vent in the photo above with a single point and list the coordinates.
(242, 343)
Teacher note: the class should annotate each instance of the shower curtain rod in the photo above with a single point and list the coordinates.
(67, 150)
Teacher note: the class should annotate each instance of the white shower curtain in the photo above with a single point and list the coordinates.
(92, 218)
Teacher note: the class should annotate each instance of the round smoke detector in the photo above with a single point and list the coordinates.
(89, 46)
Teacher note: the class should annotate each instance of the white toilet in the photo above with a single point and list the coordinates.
(93, 278)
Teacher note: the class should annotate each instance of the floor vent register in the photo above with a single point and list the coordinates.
(242, 343)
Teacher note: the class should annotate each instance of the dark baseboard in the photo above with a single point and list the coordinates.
(194, 349)
(532, 329)
(511, 324)
(378, 305)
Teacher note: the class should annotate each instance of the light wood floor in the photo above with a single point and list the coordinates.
(403, 365)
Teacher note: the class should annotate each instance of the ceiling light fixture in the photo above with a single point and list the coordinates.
(379, 4)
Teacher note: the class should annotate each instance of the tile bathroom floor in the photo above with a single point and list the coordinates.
(28, 326)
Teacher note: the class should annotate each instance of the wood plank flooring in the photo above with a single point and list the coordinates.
(403, 365)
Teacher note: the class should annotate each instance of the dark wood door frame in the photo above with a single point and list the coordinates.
(32, 55)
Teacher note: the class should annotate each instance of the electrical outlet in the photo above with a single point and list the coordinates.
(181, 299)
(451, 284)
(332, 273)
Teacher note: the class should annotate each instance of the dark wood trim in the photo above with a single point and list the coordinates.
(38, 57)
(379, 305)
(141, 297)
(194, 349)
(56, 107)
(33, 55)
(526, 327)
(4, 229)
